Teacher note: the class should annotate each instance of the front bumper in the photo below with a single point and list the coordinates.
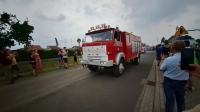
(97, 63)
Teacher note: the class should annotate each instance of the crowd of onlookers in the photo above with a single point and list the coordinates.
(10, 67)
(63, 57)
(8, 62)
(176, 80)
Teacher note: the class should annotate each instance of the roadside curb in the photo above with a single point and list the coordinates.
(152, 95)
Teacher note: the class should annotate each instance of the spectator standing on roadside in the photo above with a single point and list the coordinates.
(65, 57)
(166, 51)
(36, 62)
(60, 58)
(75, 56)
(170, 50)
(6, 64)
(14, 67)
(4, 57)
(14, 62)
(175, 79)
(32, 62)
(159, 52)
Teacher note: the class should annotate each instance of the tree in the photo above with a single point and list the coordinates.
(12, 30)
(79, 41)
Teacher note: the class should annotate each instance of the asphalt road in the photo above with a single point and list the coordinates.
(100, 92)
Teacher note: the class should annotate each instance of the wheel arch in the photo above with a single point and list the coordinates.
(119, 56)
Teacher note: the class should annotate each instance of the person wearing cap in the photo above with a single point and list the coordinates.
(175, 79)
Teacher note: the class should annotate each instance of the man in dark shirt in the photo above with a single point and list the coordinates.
(159, 52)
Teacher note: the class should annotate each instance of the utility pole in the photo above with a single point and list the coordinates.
(56, 40)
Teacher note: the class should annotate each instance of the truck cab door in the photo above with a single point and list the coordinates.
(117, 41)
(117, 38)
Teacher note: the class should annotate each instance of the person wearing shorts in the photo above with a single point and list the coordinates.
(65, 57)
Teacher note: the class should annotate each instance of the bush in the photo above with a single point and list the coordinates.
(71, 52)
(24, 55)
(46, 54)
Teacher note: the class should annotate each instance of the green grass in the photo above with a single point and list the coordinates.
(48, 65)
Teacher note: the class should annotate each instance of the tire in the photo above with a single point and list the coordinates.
(119, 69)
(93, 68)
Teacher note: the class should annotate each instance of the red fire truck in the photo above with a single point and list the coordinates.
(110, 48)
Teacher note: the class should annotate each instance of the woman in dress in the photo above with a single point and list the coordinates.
(36, 62)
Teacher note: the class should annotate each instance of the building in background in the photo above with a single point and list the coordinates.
(33, 47)
(52, 47)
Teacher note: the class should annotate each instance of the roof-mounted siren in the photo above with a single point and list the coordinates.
(98, 27)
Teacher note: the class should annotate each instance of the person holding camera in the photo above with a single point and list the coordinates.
(175, 79)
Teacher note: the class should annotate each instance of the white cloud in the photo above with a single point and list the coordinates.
(69, 19)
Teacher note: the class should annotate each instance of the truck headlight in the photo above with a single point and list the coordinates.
(102, 62)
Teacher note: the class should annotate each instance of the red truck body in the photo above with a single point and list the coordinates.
(111, 47)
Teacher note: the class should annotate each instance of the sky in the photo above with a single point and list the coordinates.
(68, 20)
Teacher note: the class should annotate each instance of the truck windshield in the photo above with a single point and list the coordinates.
(102, 36)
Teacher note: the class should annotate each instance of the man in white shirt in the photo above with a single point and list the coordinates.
(175, 79)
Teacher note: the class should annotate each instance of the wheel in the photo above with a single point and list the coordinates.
(92, 68)
(119, 69)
